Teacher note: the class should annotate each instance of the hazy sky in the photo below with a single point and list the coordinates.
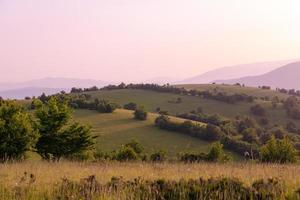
(140, 39)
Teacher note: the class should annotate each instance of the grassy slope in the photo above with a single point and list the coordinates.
(118, 128)
(231, 89)
(151, 100)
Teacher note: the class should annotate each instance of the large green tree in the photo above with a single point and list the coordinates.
(278, 151)
(59, 135)
(16, 131)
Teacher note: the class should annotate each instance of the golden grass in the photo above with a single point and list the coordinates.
(48, 174)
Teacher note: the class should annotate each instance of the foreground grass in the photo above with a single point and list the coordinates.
(47, 176)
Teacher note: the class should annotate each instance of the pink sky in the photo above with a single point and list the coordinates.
(139, 39)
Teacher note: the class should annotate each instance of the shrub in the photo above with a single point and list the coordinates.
(193, 157)
(130, 106)
(213, 132)
(264, 121)
(278, 151)
(258, 110)
(161, 189)
(140, 114)
(105, 106)
(216, 153)
(158, 156)
(136, 146)
(250, 135)
(126, 154)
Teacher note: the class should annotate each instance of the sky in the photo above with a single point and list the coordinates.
(133, 40)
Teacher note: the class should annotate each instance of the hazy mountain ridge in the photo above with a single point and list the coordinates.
(54, 82)
(286, 76)
(21, 93)
(236, 71)
(49, 85)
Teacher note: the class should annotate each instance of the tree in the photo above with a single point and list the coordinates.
(278, 151)
(158, 156)
(126, 154)
(216, 153)
(258, 110)
(104, 106)
(136, 146)
(58, 136)
(130, 106)
(17, 134)
(140, 114)
(250, 135)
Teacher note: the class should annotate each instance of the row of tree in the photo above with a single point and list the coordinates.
(219, 96)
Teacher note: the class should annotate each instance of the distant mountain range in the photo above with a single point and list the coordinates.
(287, 76)
(21, 93)
(51, 82)
(236, 71)
(47, 85)
(275, 74)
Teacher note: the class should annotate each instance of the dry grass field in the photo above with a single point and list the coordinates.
(47, 175)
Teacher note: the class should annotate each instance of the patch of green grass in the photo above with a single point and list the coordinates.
(118, 128)
(232, 89)
(151, 100)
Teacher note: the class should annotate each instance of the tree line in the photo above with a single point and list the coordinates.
(219, 96)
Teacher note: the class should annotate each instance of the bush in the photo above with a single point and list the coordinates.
(258, 110)
(136, 146)
(250, 135)
(126, 154)
(278, 151)
(105, 106)
(140, 114)
(158, 156)
(130, 106)
(216, 153)
(193, 157)
(213, 132)
(161, 189)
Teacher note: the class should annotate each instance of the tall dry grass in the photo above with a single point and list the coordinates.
(47, 175)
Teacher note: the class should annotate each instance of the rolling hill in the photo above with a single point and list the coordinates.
(153, 100)
(286, 76)
(118, 128)
(236, 71)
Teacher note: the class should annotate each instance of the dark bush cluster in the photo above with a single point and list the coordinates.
(215, 154)
(193, 189)
(84, 101)
(208, 132)
(140, 114)
(258, 110)
(292, 106)
(289, 91)
(130, 106)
